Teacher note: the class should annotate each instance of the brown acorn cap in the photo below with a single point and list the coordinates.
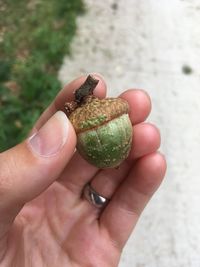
(95, 112)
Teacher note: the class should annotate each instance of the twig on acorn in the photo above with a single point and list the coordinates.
(83, 92)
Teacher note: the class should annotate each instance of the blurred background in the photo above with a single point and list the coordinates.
(35, 35)
(153, 45)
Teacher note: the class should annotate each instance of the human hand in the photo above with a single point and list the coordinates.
(44, 220)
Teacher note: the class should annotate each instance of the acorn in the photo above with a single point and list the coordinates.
(103, 126)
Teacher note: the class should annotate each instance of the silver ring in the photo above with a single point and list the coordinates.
(94, 198)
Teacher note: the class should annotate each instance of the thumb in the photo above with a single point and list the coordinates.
(29, 168)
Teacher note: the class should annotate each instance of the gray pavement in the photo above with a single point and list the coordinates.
(146, 44)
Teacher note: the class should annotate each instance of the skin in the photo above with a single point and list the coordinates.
(44, 221)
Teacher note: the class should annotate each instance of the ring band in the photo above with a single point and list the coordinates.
(94, 198)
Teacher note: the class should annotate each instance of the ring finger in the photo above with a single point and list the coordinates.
(146, 140)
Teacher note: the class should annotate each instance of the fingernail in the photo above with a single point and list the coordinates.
(51, 137)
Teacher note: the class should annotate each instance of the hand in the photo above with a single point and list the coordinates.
(44, 220)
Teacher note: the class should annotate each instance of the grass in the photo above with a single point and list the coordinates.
(34, 37)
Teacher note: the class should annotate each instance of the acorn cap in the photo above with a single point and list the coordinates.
(95, 112)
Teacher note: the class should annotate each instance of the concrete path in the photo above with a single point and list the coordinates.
(154, 45)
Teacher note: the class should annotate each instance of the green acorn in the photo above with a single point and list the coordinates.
(103, 127)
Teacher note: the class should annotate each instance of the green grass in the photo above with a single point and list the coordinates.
(34, 37)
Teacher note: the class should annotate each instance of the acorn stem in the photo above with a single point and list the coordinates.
(86, 89)
(81, 94)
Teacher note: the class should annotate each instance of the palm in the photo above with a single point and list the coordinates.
(62, 234)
